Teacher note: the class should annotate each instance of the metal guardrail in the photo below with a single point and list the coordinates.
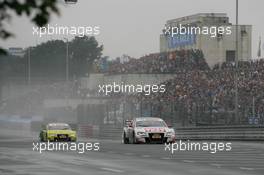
(255, 133)
(221, 133)
(112, 133)
(222, 127)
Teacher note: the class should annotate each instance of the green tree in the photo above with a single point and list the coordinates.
(11, 66)
(83, 51)
(49, 59)
(38, 11)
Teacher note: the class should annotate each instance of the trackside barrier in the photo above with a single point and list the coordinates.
(88, 131)
(110, 132)
(221, 133)
(198, 133)
(85, 130)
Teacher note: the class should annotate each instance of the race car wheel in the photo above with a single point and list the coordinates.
(41, 138)
(125, 140)
(134, 139)
(46, 138)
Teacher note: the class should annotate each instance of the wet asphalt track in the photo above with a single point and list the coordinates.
(18, 158)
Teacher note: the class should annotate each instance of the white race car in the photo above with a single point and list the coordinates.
(147, 130)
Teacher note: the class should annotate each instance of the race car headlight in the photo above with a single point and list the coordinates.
(141, 133)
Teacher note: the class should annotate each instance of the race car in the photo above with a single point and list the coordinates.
(57, 132)
(147, 130)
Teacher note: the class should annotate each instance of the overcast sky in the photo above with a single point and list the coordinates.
(133, 26)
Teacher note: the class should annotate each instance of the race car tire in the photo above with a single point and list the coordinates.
(134, 139)
(125, 140)
(45, 140)
(41, 139)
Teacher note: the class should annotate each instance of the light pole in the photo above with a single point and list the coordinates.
(29, 79)
(67, 60)
(253, 106)
(236, 68)
(29, 66)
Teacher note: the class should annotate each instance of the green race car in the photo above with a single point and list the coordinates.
(57, 132)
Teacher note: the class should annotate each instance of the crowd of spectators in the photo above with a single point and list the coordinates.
(166, 62)
(214, 90)
(195, 85)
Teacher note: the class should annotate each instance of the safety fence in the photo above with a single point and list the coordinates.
(255, 133)
(196, 115)
(221, 133)
(88, 131)
(102, 132)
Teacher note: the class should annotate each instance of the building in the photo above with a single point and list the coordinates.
(200, 34)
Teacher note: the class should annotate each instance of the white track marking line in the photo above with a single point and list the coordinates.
(111, 152)
(146, 156)
(128, 154)
(112, 170)
(216, 164)
(188, 161)
(246, 168)
(165, 158)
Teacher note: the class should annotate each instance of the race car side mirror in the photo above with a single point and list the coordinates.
(169, 126)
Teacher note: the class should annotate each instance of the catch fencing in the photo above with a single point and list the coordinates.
(221, 133)
(240, 133)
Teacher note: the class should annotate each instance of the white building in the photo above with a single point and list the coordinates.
(216, 49)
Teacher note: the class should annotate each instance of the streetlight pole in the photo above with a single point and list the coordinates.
(29, 66)
(253, 106)
(29, 78)
(67, 60)
(236, 68)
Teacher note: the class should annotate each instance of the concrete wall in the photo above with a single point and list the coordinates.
(13, 91)
(58, 103)
(94, 80)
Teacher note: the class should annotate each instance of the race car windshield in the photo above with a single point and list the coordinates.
(59, 127)
(150, 124)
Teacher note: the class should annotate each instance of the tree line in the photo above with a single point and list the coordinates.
(48, 60)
